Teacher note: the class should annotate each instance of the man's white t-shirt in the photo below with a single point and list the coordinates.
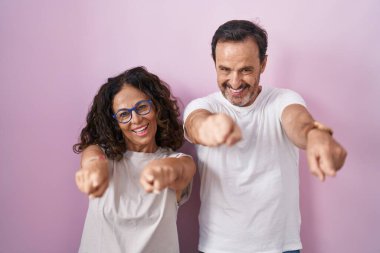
(250, 191)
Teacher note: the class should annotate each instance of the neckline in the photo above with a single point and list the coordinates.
(129, 153)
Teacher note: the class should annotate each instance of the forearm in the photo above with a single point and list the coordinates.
(92, 177)
(297, 122)
(91, 154)
(193, 125)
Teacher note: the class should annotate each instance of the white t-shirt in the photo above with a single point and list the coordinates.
(126, 219)
(250, 191)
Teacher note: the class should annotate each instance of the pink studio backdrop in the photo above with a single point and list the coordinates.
(54, 55)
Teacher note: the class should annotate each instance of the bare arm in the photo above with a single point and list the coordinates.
(175, 173)
(208, 129)
(297, 122)
(325, 155)
(92, 177)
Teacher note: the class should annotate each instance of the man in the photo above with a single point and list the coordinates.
(247, 137)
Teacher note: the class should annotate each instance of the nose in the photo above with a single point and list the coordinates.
(136, 118)
(235, 79)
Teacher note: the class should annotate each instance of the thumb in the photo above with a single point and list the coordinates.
(146, 181)
(234, 136)
(313, 161)
(327, 165)
(94, 180)
(148, 175)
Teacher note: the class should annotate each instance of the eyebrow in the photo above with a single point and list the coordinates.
(224, 67)
(241, 69)
(126, 108)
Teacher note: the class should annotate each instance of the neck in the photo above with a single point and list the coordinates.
(144, 148)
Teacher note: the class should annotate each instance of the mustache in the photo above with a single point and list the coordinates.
(241, 86)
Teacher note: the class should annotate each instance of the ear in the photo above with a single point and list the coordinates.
(263, 64)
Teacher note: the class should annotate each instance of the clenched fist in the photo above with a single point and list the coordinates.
(159, 174)
(218, 129)
(92, 178)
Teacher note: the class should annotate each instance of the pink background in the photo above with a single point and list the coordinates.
(54, 55)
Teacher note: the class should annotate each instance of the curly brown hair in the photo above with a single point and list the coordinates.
(103, 130)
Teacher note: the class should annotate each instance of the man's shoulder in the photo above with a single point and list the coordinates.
(276, 92)
(208, 100)
(280, 97)
(209, 103)
(272, 89)
(210, 97)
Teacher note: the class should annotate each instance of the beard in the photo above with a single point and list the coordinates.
(244, 95)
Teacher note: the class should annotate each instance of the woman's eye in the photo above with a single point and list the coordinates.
(123, 114)
(142, 107)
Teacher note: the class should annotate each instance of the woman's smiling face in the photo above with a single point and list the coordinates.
(139, 133)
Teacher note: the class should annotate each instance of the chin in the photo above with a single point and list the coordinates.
(238, 101)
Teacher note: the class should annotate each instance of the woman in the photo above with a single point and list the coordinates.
(127, 152)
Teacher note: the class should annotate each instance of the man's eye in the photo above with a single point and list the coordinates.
(247, 71)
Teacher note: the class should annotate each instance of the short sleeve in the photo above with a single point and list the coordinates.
(200, 103)
(287, 97)
(196, 104)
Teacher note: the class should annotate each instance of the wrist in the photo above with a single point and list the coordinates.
(95, 158)
(321, 127)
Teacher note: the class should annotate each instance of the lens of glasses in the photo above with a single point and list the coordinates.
(142, 107)
(123, 116)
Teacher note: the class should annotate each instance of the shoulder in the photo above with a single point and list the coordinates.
(276, 93)
(208, 103)
(277, 99)
(279, 96)
(167, 152)
(207, 100)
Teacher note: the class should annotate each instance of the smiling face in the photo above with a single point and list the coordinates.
(238, 70)
(139, 133)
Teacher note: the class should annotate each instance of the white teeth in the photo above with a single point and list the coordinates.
(141, 129)
(236, 91)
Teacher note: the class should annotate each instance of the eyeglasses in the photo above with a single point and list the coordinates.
(124, 115)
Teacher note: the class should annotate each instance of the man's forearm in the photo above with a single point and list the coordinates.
(297, 122)
(193, 124)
